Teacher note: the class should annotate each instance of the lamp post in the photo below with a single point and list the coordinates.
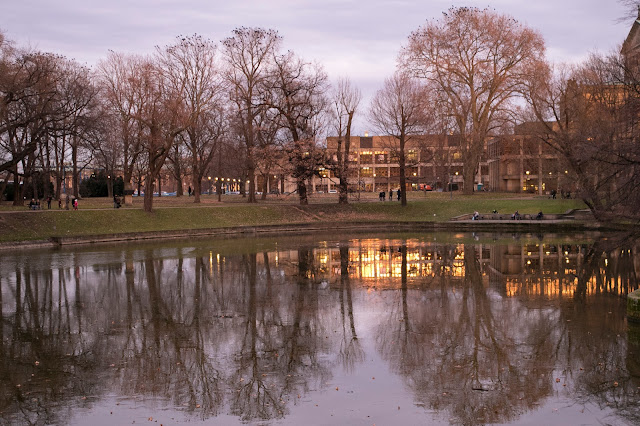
(209, 178)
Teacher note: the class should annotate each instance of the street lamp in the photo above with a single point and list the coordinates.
(209, 178)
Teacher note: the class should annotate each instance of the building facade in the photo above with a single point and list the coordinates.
(432, 162)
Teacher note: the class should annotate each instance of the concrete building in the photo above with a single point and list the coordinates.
(432, 162)
(523, 162)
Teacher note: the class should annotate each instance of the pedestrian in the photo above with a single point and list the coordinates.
(391, 195)
(60, 202)
(475, 216)
(189, 190)
(75, 204)
(49, 202)
(399, 193)
(553, 194)
(382, 196)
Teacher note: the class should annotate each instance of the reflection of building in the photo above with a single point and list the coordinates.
(521, 269)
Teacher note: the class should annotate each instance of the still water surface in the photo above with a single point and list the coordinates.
(386, 329)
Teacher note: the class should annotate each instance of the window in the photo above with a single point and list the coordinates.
(366, 158)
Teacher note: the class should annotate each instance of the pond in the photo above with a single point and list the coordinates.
(341, 329)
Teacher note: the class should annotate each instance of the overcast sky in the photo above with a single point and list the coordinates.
(358, 39)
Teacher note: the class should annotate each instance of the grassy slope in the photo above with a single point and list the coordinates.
(98, 217)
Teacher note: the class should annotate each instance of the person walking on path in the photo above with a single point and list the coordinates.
(75, 204)
(391, 195)
(49, 202)
(190, 190)
(382, 195)
(399, 194)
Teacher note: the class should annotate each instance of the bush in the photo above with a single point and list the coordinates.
(97, 186)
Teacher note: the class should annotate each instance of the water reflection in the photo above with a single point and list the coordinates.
(478, 331)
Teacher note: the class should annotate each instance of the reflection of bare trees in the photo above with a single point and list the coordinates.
(247, 334)
(483, 359)
(350, 351)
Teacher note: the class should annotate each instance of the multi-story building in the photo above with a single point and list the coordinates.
(432, 161)
(523, 162)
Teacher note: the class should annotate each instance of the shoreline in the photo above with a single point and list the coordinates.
(302, 228)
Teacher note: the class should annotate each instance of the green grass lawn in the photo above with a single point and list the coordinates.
(97, 215)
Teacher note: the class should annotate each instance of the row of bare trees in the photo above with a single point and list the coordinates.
(485, 72)
(251, 105)
(252, 109)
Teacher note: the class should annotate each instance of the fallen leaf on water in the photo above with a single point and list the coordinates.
(197, 405)
(37, 362)
(336, 388)
(615, 383)
(557, 380)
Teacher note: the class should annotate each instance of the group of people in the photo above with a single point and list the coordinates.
(34, 204)
(384, 194)
(517, 216)
(563, 194)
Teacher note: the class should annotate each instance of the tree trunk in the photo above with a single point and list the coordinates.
(403, 176)
(3, 186)
(197, 189)
(17, 188)
(148, 193)
(470, 162)
(179, 189)
(265, 186)
(74, 164)
(302, 191)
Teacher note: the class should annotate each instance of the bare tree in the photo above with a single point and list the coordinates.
(345, 101)
(191, 62)
(28, 109)
(589, 115)
(158, 110)
(399, 110)
(249, 52)
(631, 10)
(297, 95)
(117, 75)
(478, 61)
